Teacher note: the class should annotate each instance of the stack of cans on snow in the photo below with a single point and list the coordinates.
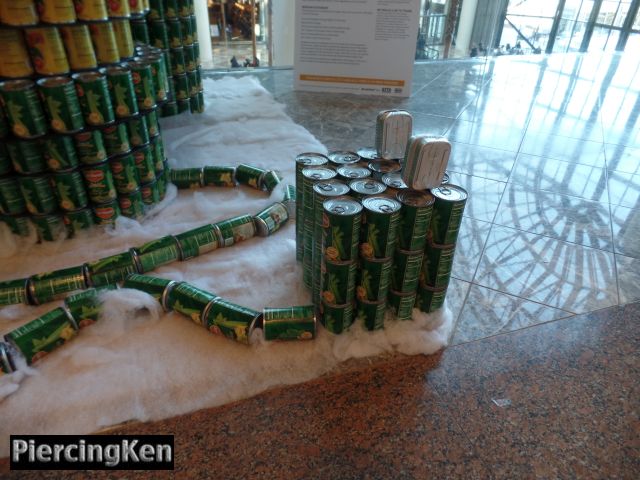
(170, 25)
(367, 241)
(228, 176)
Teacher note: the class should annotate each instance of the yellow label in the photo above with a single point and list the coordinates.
(18, 12)
(104, 42)
(356, 80)
(122, 29)
(91, 9)
(118, 8)
(46, 50)
(137, 6)
(77, 41)
(14, 61)
(56, 11)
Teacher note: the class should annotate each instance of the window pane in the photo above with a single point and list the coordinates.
(532, 7)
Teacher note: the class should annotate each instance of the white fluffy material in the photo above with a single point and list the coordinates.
(138, 363)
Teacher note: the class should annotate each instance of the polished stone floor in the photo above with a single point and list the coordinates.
(548, 148)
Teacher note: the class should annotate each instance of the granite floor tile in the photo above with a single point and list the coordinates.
(628, 269)
(471, 239)
(548, 271)
(564, 148)
(480, 161)
(488, 312)
(484, 195)
(622, 158)
(566, 218)
(626, 230)
(624, 189)
(556, 176)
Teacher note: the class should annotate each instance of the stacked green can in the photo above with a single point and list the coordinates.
(170, 26)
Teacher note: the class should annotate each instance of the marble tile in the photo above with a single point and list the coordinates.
(556, 176)
(551, 121)
(424, 124)
(480, 161)
(489, 312)
(626, 230)
(624, 189)
(622, 158)
(456, 297)
(471, 239)
(563, 148)
(566, 218)
(548, 271)
(628, 279)
(486, 135)
(484, 195)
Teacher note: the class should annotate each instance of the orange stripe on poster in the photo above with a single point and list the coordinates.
(365, 81)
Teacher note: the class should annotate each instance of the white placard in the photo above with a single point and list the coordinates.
(356, 46)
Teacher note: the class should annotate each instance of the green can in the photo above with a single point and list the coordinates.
(5, 160)
(236, 229)
(23, 108)
(38, 194)
(125, 173)
(85, 307)
(336, 318)
(111, 269)
(154, 286)
(78, 220)
(99, 182)
(49, 227)
(177, 61)
(175, 32)
(184, 105)
(157, 147)
(187, 31)
(415, 217)
(192, 82)
(196, 103)
(27, 156)
(249, 175)
(448, 208)
(185, 8)
(341, 229)
(43, 335)
(373, 279)
(6, 361)
(161, 182)
(122, 91)
(338, 282)
(143, 84)
(11, 199)
(116, 139)
(304, 160)
(138, 131)
(140, 31)
(4, 126)
(131, 204)
(181, 86)
(150, 193)
(401, 304)
(95, 100)
(340, 157)
(160, 73)
(189, 300)
(429, 299)
(406, 270)
(199, 78)
(50, 286)
(196, 48)
(191, 63)
(219, 176)
(153, 125)
(169, 109)
(156, 9)
(69, 190)
(156, 253)
(18, 224)
(366, 187)
(198, 241)
(170, 8)
(371, 314)
(289, 199)
(106, 213)
(13, 292)
(379, 231)
(90, 147)
(60, 153)
(159, 34)
(437, 265)
(230, 320)
(307, 258)
(289, 323)
(353, 172)
(271, 219)
(186, 177)
(270, 181)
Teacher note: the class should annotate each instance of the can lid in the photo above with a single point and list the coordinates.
(331, 188)
(384, 166)
(14, 85)
(381, 204)
(350, 171)
(5, 358)
(368, 153)
(414, 198)
(261, 227)
(342, 157)
(450, 193)
(312, 158)
(342, 206)
(54, 81)
(394, 180)
(367, 186)
(445, 178)
(318, 173)
(87, 76)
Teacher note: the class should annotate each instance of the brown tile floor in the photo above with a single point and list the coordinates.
(558, 400)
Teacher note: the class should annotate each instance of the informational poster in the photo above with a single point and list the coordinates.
(356, 46)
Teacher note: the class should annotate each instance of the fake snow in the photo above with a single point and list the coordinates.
(138, 363)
